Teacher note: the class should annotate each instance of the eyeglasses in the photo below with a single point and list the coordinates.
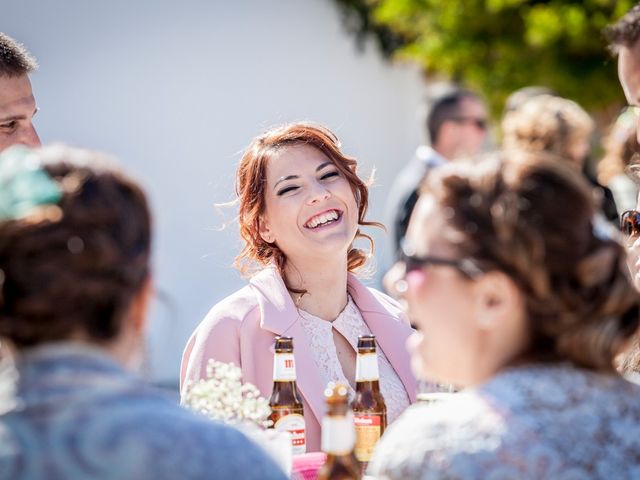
(480, 123)
(630, 223)
(415, 262)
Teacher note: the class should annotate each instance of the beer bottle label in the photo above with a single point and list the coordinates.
(294, 424)
(368, 430)
(367, 367)
(338, 434)
(284, 368)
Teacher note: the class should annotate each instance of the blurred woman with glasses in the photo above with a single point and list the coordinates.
(521, 295)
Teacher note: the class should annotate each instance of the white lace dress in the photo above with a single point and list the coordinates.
(532, 422)
(350, 325)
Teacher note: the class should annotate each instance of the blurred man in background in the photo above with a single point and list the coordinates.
(456, 123)
(17, 104)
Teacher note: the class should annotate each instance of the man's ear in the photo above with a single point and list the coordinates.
(264, 231)
(498, 300)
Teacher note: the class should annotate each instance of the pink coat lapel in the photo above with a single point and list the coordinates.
(279, 315)
(381, 316)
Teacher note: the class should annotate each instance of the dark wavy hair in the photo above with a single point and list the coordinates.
(251, 182)
(534, 218)
(625, 32)
(74, 267)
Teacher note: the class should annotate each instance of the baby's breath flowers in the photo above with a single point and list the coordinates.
(222, 396)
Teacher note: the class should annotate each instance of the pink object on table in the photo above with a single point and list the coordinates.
(306, 466)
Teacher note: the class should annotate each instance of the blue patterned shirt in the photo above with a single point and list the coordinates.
(73, 413)
(528, 422)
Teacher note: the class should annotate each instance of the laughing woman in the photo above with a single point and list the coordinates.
(301, 208)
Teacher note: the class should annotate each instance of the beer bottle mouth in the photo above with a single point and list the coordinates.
(283, 344)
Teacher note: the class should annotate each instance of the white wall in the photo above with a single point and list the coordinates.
(177, 89)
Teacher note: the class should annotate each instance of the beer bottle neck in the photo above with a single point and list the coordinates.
(338, 434)
(284, 367)
(367, 367)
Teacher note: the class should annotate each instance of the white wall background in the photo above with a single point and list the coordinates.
(177, 89)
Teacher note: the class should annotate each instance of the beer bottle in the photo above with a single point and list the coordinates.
(369, 409)
(338, 436)
(287, 413)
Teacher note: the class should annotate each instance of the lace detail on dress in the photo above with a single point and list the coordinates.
(350, 325)
(527, 422)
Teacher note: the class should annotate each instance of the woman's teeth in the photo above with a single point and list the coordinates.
(323, 219)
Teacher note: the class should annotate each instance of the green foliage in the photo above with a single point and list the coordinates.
(498, 46)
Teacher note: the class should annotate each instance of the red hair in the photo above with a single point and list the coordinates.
(251, 181)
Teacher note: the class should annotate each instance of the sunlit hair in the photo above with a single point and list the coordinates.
(15, 60)
(534, 219)
(251, 181)
(625, 32)
(547, 123)
(620, 148)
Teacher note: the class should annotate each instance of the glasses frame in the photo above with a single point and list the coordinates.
(630, 217)
(415, 262)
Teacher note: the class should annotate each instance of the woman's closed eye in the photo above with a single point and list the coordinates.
(287, 189)
(10, 125)
(329, 175)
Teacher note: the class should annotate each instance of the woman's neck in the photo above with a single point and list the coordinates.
(325, 284)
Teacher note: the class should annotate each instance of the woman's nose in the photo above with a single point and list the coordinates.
(318, 193)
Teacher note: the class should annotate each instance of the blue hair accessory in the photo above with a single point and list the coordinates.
(24, 184)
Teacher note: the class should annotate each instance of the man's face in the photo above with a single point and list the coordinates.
(629, 74)
(468, 132)
(17, 108)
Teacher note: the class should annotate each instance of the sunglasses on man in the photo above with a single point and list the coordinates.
(480, 123)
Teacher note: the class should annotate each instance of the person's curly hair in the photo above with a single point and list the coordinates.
(625, 32)
(620, 148)
(73, 268)
(251, 182)
(547, 123)
(533, 218)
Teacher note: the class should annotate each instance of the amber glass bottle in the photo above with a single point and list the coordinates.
(369, 409)
(287, 413)
(338, 436)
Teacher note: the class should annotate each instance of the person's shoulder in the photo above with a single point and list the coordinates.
(457, 434)
(220, 451)
(187, 445)
(235, 308)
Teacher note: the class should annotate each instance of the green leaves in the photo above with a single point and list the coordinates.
(497, 46)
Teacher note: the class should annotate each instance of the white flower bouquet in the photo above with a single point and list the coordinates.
(222, 396)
